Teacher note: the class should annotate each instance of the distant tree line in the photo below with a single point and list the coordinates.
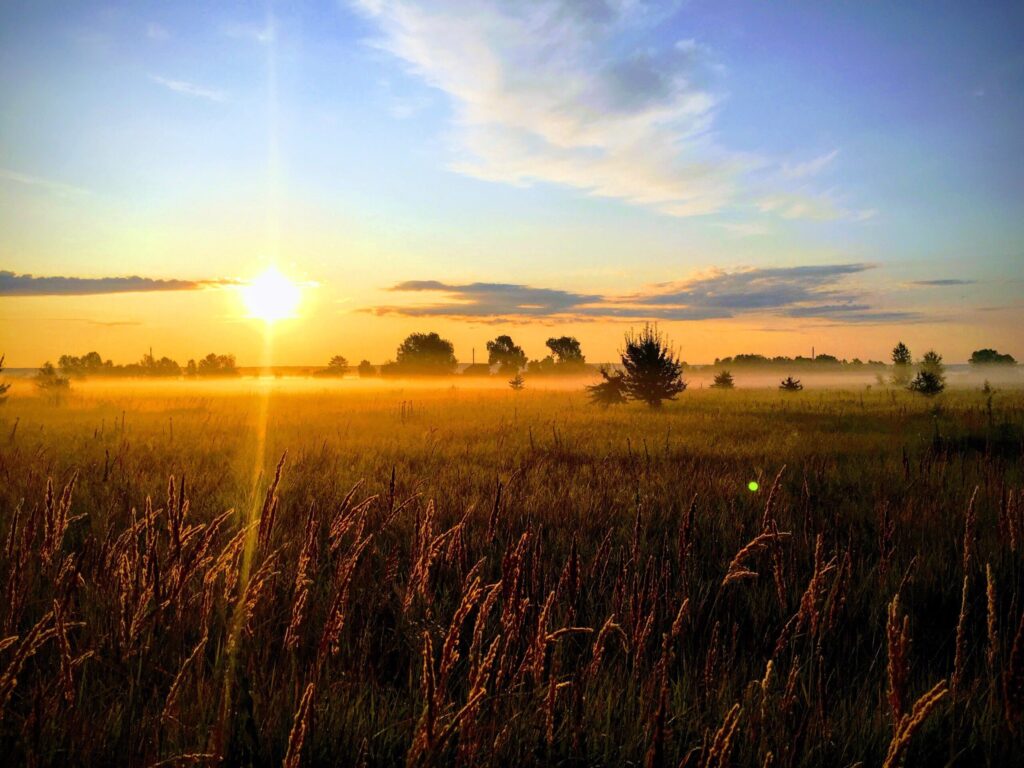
(428, 354)
(823, 360)
(93, 364)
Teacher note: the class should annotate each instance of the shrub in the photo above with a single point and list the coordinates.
(789, 384)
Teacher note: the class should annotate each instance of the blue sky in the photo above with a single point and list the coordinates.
(641, 156)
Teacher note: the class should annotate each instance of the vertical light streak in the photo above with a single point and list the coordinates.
(265, 384)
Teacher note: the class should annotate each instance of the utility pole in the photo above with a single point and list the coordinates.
(474, 355)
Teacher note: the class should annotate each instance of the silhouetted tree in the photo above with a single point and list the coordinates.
(337, 366)
(517, 382)
(217, 365)
(653, 373)
(990, 357)
(931, 377)
(504, 353)
(366, 369)
(789, 384)
(191, 369)
(723, 380)
(566, 350)
(89, 363)
(4, 386)
(901, 362)
(610, 391)
(425, 353)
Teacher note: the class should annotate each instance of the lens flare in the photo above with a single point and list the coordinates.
(753, 486)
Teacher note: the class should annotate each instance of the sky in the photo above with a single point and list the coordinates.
(754, 177)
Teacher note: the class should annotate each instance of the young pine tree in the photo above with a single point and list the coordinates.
(653, 372)
(931, 377)
(723, 380)
(901, 362)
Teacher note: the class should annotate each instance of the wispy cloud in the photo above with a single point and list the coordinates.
(12, 284)
(943, 282)
(49, 185)
(188, 89)
(802, 205)
(553, 91)
(809, 168)
(816, 292)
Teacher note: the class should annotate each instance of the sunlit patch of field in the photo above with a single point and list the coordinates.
(459, 573)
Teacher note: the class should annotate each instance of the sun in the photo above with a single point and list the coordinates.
(271, 296)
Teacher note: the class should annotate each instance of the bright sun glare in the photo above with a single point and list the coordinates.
(271, 296)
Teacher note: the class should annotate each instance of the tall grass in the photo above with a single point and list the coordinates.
(473, 577)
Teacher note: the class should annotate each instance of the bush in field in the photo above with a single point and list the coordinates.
(931, 377)
(425, 353)
(901, 362)
(610, 391)
(789, 384)
(653, 373)
(723, 380)
(506, 354)
(517, 382)
(49, 378)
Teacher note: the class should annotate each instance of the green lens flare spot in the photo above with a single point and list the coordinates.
(753, 486)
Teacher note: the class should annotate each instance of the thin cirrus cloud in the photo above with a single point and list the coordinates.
(538, 97)
(188, 89)
(47, 185)
(943, 282)
(815, 291)
(12, 284)
(569, 93)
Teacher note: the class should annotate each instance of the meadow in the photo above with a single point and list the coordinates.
(309, 573)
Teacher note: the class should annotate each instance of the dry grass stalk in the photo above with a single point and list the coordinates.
(269, 512)
(991, 623)
(304, 572)
(906, 726)
(898, 642)
(717, 754)
(738, 569)
(970, 525)
(42, 632)
(171, 702)
(300, 728)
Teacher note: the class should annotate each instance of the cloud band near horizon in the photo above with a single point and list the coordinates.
(12, 284)
(806, 292)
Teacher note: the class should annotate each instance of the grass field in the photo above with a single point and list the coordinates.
(474, 576)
